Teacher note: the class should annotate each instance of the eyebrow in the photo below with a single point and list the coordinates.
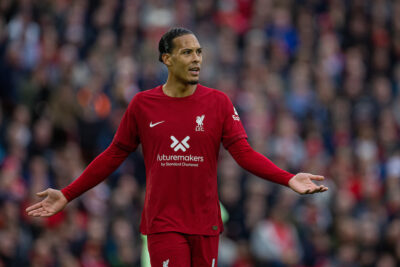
(185, 49)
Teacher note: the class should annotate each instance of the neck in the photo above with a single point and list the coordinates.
(174, 88)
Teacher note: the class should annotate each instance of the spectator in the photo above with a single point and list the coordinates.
(316, 84)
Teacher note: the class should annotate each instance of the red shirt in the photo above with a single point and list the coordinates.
(181, 139)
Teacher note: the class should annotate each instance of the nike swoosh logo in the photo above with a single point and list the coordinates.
(154, 124)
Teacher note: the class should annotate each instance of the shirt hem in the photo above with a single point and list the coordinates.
(157, 231)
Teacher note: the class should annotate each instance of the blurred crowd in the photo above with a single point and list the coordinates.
(316, 84)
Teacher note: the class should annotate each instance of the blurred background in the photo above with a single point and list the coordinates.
(316, 84)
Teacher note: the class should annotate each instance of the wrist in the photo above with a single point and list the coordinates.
(64, 195)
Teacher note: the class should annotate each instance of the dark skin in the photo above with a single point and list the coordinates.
(183, 63)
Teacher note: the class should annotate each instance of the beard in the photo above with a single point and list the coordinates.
(193, 82)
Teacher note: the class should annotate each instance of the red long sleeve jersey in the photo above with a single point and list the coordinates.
(181, 139)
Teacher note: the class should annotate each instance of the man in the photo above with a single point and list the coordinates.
(180, 125)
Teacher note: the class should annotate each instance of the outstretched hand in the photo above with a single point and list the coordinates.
(53, 202)
(302, 183)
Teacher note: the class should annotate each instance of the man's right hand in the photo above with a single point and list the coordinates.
(53, 202)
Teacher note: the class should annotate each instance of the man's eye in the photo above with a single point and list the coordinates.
(187, 52)
(199, 52)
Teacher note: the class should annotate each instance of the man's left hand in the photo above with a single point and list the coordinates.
(302, 183)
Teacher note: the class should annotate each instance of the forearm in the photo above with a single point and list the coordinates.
(257, 163)
(98, 170)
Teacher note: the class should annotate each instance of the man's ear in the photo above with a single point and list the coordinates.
(166, 58)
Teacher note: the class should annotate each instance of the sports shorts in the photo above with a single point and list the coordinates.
(173, 249)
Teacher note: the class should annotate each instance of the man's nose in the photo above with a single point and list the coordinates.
(196, 57)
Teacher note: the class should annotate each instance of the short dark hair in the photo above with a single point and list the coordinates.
(165, 45)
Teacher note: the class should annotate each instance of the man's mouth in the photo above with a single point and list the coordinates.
(195, 71)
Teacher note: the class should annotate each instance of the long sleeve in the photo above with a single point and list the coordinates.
(258, 164)
(98, 170)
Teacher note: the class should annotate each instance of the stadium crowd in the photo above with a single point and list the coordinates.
(316, 84)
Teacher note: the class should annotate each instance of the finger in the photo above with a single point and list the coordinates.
(322, 189)
(46, 213)
(316, 189)
(307, 191)
(316, 177)
(41, 213)
(39, 210)
(34, 214)
(34, 207)
(43, 193)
